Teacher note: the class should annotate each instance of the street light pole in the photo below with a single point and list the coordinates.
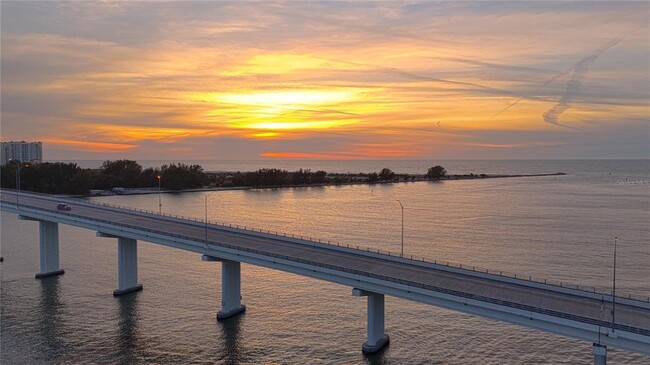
(18, 184)
(159, 198)
(614, 286)
(206, 219)
(18, 178)
(18, 181)
(401, 206)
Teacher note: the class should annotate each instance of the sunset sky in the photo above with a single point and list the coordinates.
(327, 80)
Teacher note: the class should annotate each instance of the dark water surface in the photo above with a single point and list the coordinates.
(558, 228)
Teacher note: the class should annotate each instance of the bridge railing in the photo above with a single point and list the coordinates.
(449, 264)
(354, 271)
(309, 240)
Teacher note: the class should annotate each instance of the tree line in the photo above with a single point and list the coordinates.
(69, 178)
(277, 177)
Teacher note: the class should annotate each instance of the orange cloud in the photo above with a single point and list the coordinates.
(92, 146)
(277, 64)
(362, 151)
(263, 135)
(132, 134)
(301, 155)
(509, 145)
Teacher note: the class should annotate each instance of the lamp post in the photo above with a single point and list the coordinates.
(206, 218)
(159, 198)
(20, 167)
(401, 206)
(614, 285)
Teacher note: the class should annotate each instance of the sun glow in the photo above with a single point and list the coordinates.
(263, 135)
(293, 99)
(297, 125)
(277, 64)
(285, 110)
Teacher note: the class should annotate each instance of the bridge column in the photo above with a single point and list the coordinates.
(127, 264)
(49, 249)
(600, 354)
(377, 339)
(230, 288)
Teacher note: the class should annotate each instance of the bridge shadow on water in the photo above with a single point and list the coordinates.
(378, 358)
(126, 344)
(50, 319)
(231, 340)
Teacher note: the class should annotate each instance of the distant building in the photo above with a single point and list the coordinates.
(21, 151)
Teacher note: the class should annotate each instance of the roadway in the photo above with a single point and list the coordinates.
(518, 295)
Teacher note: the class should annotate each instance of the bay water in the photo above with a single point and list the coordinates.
(557, 228)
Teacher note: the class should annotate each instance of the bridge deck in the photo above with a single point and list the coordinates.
(631, 318)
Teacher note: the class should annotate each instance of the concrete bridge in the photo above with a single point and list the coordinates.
(571, 312)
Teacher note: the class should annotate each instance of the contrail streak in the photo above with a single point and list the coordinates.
(527, 96)
(573, 86)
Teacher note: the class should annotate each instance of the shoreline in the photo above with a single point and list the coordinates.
(404, 178)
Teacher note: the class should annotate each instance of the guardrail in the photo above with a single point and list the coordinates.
(310, 240)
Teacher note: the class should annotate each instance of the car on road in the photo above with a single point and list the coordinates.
(62, 206)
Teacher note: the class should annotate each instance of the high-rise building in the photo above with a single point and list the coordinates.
(21, 151)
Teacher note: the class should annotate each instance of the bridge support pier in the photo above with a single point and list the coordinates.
(377, 339)
(127, 264)
(49, 249)
(600, 354)
(230, 288)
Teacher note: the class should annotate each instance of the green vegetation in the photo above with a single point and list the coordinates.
(68, 178)
(50, 178)
(181, 176)
(387, 175)
(436, 173)
(122, 173)
(277, 177)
